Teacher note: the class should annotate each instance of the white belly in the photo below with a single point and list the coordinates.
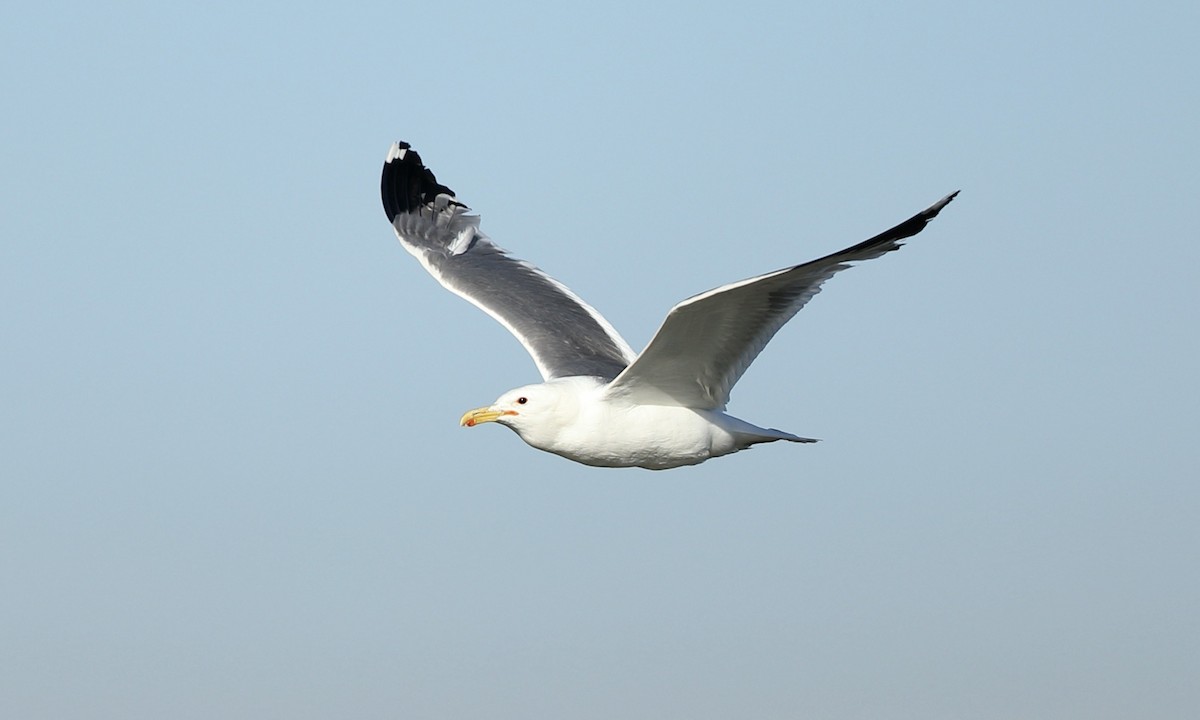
(649, 436)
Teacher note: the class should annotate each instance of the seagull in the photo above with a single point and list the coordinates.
(600, 403)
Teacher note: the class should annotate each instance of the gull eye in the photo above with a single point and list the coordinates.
(522, 400)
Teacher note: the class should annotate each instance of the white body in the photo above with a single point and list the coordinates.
(574, 417)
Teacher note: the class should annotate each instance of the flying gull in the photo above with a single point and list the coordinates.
(601, 403)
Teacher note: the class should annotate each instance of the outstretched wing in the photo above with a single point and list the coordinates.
(708, 341)
(564, 334)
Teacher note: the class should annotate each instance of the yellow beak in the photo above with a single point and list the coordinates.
(483, 415)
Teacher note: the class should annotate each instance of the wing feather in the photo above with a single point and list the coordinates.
(564, 335)
(708, 341)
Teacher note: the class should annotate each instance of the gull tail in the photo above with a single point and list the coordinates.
(766, 435)
(745, 434)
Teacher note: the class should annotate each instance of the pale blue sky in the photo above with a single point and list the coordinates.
(233, 482)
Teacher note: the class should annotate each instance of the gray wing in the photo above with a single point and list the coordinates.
(708, 341)
(564, 334)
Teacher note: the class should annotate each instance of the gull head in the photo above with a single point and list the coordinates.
(538, 413)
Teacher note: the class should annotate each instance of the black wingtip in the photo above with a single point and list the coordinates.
(889, 240)
(914, 224)
(932, 211)
(406, 183)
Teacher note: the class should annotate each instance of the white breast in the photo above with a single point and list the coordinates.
(651, 436)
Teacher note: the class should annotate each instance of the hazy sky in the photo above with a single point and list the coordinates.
(232, 484)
